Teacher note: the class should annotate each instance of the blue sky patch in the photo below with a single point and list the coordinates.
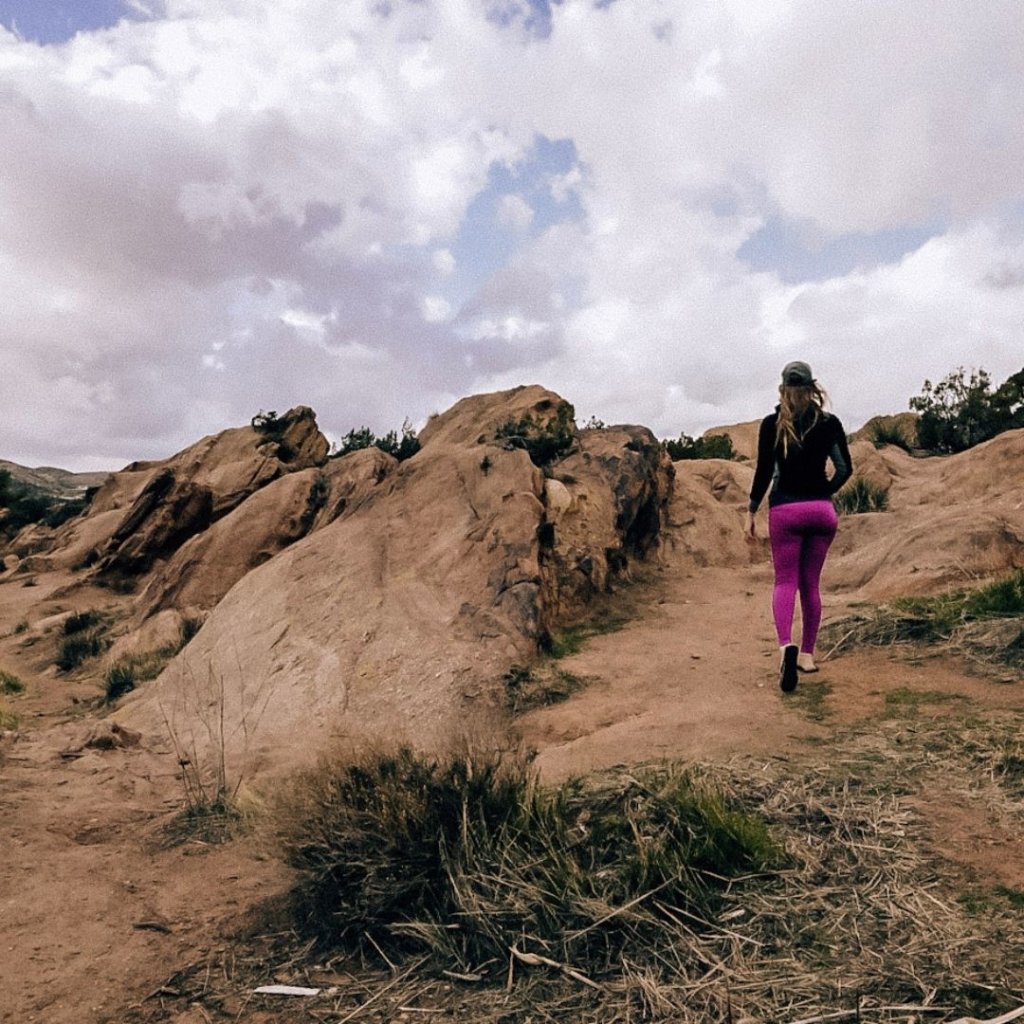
(488, 239)
(57, 21)
(790, 249)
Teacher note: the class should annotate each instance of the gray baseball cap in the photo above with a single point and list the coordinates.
(797, 373)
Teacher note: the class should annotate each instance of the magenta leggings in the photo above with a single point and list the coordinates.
(801, 533)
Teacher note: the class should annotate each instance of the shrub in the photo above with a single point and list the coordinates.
(74, 649)
(79, 621)
(402, 448)
(542, 441)
(861, 496)
(272, 427)
(463, 857)
(717, 446)
(10, 683)
(889, 433)
(962, 411)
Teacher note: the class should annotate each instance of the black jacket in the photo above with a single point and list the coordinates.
(799, 475)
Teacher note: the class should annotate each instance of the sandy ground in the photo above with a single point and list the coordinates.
(97, 910)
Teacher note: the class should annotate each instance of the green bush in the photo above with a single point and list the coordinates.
(543, 441)
(463, 857)
(717, 446)
(861, 496)
(962, 410)
(401, 447)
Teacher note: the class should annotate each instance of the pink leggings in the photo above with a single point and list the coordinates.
(801, 533)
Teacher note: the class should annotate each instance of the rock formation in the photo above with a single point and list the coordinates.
(404, 612)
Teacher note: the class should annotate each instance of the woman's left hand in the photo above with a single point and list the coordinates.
(750, 527)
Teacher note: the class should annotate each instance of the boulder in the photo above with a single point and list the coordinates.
(208, 565)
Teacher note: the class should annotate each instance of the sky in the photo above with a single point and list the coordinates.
(210, 208)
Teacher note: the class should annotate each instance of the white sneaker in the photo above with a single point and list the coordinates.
(805, 662)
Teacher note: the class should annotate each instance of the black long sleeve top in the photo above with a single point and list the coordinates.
(800, 475)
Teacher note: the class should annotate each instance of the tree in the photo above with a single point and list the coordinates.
(717, 446)
(962, 410)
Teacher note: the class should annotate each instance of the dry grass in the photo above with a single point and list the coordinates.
(863, 923)
(985, 624)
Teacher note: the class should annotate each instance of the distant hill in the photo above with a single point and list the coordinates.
(53, 482)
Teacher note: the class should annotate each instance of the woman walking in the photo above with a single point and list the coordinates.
(794, 443)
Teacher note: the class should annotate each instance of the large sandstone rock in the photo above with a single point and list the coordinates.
(208, 565)
(401, 616)
(742, 435)
(142, 514)
(951, 521)
(707, 514)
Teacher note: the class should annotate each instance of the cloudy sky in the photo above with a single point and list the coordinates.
(375, 207)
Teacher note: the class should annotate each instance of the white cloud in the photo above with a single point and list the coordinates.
(514, 212)
(253, 204)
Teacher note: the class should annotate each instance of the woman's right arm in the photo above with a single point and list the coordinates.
(765, 463)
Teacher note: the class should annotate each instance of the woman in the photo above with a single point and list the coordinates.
(794, 443)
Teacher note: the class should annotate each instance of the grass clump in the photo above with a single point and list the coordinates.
(890, 433)
(861, 495)
(10, 683)
(80, 622)
(464, 859)
(77, 647)
(123, 676)
(8, 719)
(527, 688)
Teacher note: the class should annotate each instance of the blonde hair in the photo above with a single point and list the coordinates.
(794, 401)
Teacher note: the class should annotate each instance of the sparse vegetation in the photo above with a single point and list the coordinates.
(190, 625)
(564, 642)
(544, 684)
(10, 683)
(21, 504)
(123, 676)
(543, 441)
(809, 697)
(8, 719)
(717, 446)
(951, 617)
(463, 858)
(401, 447)
(211, 775)
(860, 495)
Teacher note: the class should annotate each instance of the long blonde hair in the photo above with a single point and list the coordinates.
(794, 401)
